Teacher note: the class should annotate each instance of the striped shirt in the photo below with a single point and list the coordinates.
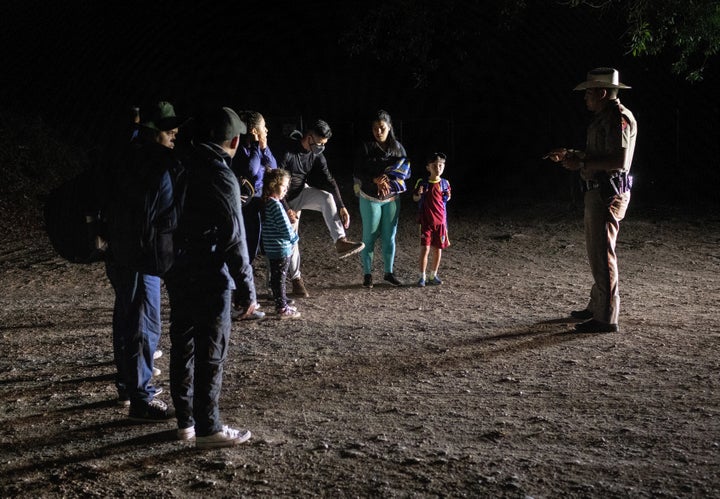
(278, 236)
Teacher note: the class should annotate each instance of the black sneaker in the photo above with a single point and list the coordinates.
(367, 281)
(390, 277)
(155, 410)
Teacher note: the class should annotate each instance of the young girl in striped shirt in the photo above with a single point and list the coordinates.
(278, 238)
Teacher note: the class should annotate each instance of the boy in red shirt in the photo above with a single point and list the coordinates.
(432, 194)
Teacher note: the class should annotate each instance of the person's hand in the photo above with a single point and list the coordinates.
(421, 190)
(345, 217)
(556, 155)
(249, 310)
(383, 185)
(292, 216)
(262, 142)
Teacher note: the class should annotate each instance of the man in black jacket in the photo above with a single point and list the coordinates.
(303, 157)
(212, 260)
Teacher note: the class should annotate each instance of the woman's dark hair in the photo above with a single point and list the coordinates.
(382, 115)
(251, 119)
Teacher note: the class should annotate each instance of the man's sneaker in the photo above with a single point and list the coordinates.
(156, 371)
(157, 354)
(298, 288)
(367, 281)
(155, 410)
(288, 313)
(186, 433)
(390, 277)
(435, 280)
(225, 438)
(346, 248)
(421, 283)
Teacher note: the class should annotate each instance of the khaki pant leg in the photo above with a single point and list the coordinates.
(602, 223)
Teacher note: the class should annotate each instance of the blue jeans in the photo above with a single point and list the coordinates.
(379, 219)
(200, 324)
(136, 331)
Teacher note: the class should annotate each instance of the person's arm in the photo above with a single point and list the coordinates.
(266, 157)
(579, 160)
(321, 163)
(232, 241)
(419, 190)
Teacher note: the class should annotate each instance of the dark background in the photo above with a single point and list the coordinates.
(493, 92)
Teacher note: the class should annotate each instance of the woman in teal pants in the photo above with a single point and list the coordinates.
(381, 167)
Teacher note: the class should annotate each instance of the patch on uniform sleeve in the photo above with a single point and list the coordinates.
(624, 123)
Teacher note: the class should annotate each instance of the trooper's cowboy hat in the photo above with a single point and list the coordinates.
(162, 118)
(602, 78)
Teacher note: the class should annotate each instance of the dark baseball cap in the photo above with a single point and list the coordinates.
(220, 124)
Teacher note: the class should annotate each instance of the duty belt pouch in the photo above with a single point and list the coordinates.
(621, 183)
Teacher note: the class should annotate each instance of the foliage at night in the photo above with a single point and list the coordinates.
(689, 30)
(418, 33)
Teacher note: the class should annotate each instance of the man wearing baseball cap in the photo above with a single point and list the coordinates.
(604, 168)
(212, 260)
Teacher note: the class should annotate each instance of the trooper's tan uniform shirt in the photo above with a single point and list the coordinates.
(612, 129)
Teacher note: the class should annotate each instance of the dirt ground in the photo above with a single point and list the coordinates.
(476, 388)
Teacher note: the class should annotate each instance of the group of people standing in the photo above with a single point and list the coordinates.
(222, 228)
(240, 200)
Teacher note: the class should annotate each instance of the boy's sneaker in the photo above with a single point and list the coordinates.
(298, 288)
(157, 354)
(227, 437)
(367, 281)
(288, 313)
(390, 277)
(421, 283)
(346, 248)
(156, 371)
(186, 433)
(435, 280)
(155, 410)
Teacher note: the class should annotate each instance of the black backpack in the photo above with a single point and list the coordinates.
(73, 219)
(144, 209)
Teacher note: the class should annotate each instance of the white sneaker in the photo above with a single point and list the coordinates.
(156, 371)
(157, 354)
(186, 433)
(228, 437)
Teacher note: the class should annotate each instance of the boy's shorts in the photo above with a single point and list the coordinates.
(434, 235)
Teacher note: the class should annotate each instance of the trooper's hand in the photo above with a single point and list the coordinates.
(292, 216)
(556, 155)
